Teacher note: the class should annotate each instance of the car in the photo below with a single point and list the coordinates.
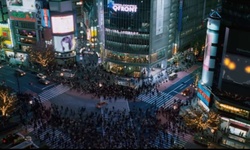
(186, 92)
(67, 73)
(44, 81)
(100, 104)
(20, 72)
(41, 76)
(200, 58)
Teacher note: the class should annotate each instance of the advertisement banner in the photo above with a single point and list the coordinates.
(22, 16)
(15, 2)
(21, 5)
(45, 18)
(6, 33)
(203, 94)
(64, 43)
(62, 24)
(159, 17)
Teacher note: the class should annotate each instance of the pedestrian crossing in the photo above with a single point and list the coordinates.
(160, 100)
(53, 92)
(168, 140)
(55, 138)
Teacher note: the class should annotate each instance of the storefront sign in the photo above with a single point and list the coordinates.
(22, 16)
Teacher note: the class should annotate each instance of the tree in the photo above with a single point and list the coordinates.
(201, 120)
(41, 54)
(198, 44)
(7, 100)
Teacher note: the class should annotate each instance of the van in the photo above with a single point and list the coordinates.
(20, 72)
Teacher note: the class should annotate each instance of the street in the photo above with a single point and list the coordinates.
(7, 75)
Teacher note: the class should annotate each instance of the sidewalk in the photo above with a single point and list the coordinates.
(181, 74)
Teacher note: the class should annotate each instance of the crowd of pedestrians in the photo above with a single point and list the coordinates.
(112, 129)
(94, 79)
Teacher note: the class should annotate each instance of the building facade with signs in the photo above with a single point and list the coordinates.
(135, 41)
(25, 26)
(225, 80)
(63, 30)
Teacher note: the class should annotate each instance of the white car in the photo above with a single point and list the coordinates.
(44, 81)
(41, 76)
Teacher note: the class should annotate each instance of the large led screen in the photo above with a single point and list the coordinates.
(64, 43)
(62, 24)
(236, 69)
(129, 15)
(203, 94)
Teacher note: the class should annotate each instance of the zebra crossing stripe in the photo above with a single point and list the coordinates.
(53, 92)
(160, 100)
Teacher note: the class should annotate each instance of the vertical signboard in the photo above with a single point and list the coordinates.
(159, 17)
(180, 15)
(38, 12)
(203, 94)
(45, 16)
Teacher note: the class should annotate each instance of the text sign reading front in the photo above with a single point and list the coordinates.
(126, 8)
(121, 7)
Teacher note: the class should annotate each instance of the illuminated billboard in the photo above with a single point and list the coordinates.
(21, 5)
(203, 94)
(236, 69)
(62, 24)
(15, 2)
(64, 43)
(121, 7)
(45, 17)
(130, 15)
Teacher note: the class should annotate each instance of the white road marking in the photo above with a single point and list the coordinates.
(11, 81)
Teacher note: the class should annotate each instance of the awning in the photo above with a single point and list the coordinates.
(239, 127)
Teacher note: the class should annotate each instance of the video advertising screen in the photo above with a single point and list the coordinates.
(62, 24)
(236, 73)
(236, 69)
(64, 43)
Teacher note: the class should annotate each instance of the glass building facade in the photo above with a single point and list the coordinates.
(129, 36)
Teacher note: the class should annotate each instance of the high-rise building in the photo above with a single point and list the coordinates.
(225, 83)
(136, 36)
(192, 16)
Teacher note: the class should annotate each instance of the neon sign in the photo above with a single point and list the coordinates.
(122, 7)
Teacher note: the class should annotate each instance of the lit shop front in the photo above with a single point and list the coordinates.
(238, 133)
